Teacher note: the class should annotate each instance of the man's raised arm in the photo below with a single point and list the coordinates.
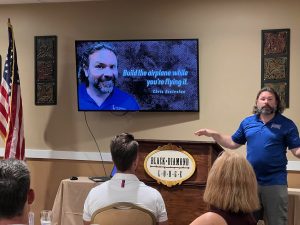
(223, 140)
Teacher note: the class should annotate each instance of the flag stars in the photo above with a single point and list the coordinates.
(14, 135)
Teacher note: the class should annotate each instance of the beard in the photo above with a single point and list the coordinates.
(105, 84)
(266, 110)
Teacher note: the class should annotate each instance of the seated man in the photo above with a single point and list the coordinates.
(15, 192)
(124, 185)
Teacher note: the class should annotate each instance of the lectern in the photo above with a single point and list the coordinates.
(183, 202)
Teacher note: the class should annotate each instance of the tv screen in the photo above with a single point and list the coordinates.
(138, 75)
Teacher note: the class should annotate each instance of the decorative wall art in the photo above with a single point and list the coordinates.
(275, 62)
(45, 70)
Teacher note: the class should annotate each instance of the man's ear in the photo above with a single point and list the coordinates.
(30, 196)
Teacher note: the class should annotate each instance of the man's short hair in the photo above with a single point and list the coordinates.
(14, 187)
(85, 58)
(124, 150)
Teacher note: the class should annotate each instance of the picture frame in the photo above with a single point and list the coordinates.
(45, 70)
(275, 62)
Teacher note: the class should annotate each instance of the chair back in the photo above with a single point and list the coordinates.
(123, 213)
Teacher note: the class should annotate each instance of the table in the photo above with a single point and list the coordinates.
(294, 206)
(68, 204)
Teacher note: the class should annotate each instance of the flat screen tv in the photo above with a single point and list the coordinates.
(138, 75)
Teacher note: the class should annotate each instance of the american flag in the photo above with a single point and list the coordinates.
(11, 111)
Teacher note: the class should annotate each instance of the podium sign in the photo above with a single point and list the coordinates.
(183, 202)
(169, 165)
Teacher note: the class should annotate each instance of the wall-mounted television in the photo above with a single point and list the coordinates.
(138, 75)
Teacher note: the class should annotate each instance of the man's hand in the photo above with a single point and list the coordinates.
(221, 139)
(205, 132)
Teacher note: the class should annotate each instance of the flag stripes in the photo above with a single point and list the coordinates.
(11, 110)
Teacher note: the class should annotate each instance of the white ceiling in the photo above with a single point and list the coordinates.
(39, 1)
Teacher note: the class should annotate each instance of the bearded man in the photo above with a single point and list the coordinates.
(98, 76)
(268, 135)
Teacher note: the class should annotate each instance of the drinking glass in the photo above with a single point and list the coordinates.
(46, 217)
(31, 218)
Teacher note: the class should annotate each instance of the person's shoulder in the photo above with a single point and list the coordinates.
(118, 91)
(250, 118)
(82, 88)
(125, 99)
(142, 184)
(283, 118)
(99, 188)
(149, 189)
(122, 94)
(209, 218)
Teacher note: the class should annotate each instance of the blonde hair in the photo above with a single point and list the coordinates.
(231, 184)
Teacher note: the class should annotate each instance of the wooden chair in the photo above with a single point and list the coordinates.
(123, 213)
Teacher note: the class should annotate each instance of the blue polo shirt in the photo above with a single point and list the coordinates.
(266, 146)
(117, 100)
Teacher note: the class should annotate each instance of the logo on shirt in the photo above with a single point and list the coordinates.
(277, 126)
(114, 107)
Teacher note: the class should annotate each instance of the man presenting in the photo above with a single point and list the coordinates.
(268, 134)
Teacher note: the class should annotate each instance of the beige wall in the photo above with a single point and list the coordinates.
(230, 43)
(294, 179)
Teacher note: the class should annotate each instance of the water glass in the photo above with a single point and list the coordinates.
(31, 218)
(46, 217)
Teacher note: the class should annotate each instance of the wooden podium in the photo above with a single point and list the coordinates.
(183, 202)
